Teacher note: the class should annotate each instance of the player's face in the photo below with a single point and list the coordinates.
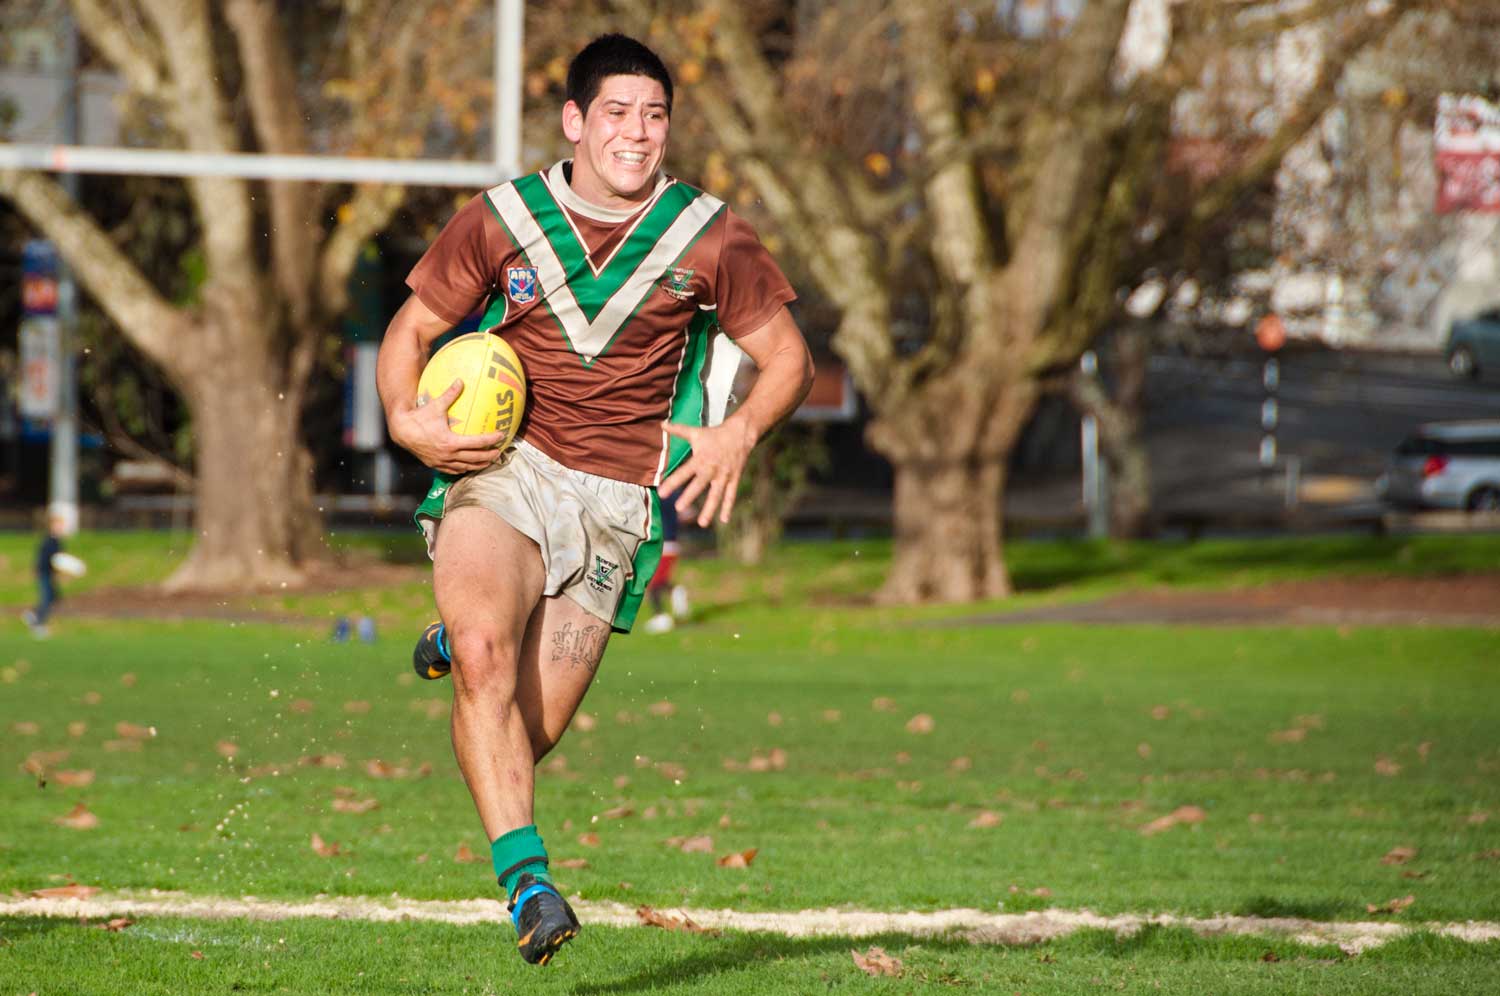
(618, 146)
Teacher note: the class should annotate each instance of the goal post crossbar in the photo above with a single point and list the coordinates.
(252, 166)
(509, 25)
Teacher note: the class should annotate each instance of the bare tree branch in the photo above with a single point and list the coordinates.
(1320, 96)
(960, 244)
(136, 55)
(222, 203)
(153, 325)
(276, 113)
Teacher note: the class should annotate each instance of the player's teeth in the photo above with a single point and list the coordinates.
(631, 157)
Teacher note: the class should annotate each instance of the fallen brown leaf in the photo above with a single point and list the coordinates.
(25, 728)
(77, 728)
(617, 813)
(692, 845)
(227, 748)
(126, 744)
(116, 925)
(321, 761)
(883, 704)
(197, 955)
(987, 818)
(920, 723)
(134, 731)
(78, 818)
(668, 921)
(357, 707)
(65, 892)
(463, 855)
(585, 722)
(355, 806)
(1391, 906)
(1182, 814)
(876, 962)
(1398, 855)
(128, 679)
(662, 709)
(739, 859)
(589, 839)
(1387, 767)
(74, 779)
(1160, 712)
(325, 850)
(301, 706)
(570, 863)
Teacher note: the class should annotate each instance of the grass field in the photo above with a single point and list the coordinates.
(871, 759)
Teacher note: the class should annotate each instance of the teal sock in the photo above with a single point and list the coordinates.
(516, 853)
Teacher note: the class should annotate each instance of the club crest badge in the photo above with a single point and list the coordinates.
(602, 577)
(676, 282)
(520, 284)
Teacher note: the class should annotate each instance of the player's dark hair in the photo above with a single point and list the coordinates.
(613, 55)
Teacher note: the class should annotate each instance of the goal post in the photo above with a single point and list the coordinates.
(506, 162)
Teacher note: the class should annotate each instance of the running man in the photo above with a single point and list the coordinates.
(619, 287)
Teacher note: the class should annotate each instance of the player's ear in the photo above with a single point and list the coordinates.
(572, 122)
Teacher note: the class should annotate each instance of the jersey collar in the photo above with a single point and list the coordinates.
(557, 180)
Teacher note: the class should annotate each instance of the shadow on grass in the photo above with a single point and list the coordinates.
(16, 928)
(1318, 909)
(741, 952)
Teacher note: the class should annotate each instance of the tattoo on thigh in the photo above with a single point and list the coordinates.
(582, 647)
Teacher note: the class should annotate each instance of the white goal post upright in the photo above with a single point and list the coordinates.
(509, 25)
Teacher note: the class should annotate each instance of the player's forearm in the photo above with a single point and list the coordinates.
(397, 370)
(781, 385)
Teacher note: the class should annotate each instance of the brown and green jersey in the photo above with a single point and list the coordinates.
(614, 314)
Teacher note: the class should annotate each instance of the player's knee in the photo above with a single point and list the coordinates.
(484, 663)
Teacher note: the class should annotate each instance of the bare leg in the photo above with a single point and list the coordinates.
(512, 699)
(488, 579)
(559, 658)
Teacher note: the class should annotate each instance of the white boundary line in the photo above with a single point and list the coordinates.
(975, 926)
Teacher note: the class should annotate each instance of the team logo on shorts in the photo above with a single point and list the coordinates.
(675, 282)
(520, 284)
(602, 577)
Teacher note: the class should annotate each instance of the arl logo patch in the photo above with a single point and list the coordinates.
(520, 284)
(676, 283)
(602, 577)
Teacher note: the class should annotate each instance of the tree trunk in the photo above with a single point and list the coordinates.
(949, 500)
(949, 545)
(256, 519)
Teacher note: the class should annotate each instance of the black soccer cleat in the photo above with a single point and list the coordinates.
(428, 658)
(544, 920)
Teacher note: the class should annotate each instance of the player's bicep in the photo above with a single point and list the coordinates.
(778, 337)
(415, 326)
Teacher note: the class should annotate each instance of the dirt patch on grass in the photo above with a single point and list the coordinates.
(975, 926)
(323, 578)
(1456, 600)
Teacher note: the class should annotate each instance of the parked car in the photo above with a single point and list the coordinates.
(1446, 465)
(1474, 345)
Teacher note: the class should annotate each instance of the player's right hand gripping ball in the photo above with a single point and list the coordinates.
(494, 394)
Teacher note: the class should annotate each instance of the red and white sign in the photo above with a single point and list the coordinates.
(1467, 144)
(41, 366)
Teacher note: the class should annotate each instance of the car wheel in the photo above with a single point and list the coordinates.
(1484, 499)
(1461, 362)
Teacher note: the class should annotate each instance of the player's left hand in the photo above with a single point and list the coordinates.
(713, 470)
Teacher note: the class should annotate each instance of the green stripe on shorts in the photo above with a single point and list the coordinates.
(643, 567)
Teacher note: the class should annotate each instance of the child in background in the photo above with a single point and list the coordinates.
(50, 560)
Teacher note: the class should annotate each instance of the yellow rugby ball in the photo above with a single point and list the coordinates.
(494, 393)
